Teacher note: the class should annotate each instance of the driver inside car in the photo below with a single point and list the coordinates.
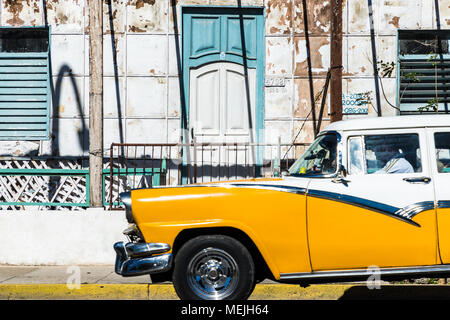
(325, 159)
(394, 160)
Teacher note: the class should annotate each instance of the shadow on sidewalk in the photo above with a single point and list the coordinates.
(398, 292)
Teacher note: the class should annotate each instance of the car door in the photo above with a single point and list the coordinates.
(374, 219)
(439, 146)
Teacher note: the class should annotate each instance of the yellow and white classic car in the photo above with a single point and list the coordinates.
(368, 193)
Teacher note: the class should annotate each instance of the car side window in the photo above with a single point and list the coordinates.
(392, 153)
(442, 145)
(355, 156)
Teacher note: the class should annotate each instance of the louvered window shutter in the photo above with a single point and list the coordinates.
(424, 70)
(24, 83)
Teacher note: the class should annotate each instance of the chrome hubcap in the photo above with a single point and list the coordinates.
(213, 274)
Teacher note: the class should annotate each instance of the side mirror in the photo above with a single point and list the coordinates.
(341, 174)
(342, 171)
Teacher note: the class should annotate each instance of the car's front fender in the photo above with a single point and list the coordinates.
(274, 220)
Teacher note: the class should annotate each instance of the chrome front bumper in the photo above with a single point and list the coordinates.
(135, 259)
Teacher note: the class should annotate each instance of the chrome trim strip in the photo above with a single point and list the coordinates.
(274, 187)
(149, 265)
(135, 250)
(133, 233)
(128, 267)
(126, 199)
(401, 271)
(413, 209)
(443, 204)
(281, 188)
(404, 214)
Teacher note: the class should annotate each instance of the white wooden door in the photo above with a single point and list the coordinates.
(219, 107)
(222, 109)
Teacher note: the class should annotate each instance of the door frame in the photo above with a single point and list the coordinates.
(258, 63)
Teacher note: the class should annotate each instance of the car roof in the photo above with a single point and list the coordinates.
(395, 122)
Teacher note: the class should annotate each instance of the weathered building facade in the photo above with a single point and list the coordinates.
(181, 65)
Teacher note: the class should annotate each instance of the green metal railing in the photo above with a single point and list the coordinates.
(24, 181)
(30, 187)
(50, 173)
(155, 175)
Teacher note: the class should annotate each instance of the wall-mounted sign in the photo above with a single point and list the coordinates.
(275, 82)
(354, 103)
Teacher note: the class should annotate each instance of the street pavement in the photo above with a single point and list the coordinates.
(95, 274)
(102, 283)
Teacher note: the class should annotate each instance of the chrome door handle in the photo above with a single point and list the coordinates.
(340, 180)
(418, 180)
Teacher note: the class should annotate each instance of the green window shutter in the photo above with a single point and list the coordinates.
(24, 91)
(424, 71)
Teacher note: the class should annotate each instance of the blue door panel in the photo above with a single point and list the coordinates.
(206, 36)
(233, 41)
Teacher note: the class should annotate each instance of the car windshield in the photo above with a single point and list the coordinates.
(319, 159)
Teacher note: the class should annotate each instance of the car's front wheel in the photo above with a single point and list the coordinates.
(213, 267)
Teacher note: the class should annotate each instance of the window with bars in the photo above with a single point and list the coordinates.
(424, 71)
(24, 83)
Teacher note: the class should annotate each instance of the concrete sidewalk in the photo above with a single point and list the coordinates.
(101, 283)
(93, 274)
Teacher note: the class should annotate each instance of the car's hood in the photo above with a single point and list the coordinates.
(288, 184)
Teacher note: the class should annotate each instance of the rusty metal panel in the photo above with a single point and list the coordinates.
(72, 135)
(146, 130)
(66, 16)
(360, 56)
(318, 17)
(111, 133)
(358, 16)
(67, 54)
(118, 43)
(147, 97)
(319, 55)
(390, 87)
(70, 97)
(20, 13)
(146, 55)
(279, 56)
(302, 98)
(243, 3)
(273, 131)
(173, 130)
(114, 16)
(399, 14)
(278, 101)
(307, 132)
(387, 49)
(175, 55)
(279, 17)
(113, 97)
(174, 100)
(147, 16)
(444, 13)
(175, 12)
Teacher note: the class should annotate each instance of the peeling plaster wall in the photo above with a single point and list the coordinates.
(143, 35)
